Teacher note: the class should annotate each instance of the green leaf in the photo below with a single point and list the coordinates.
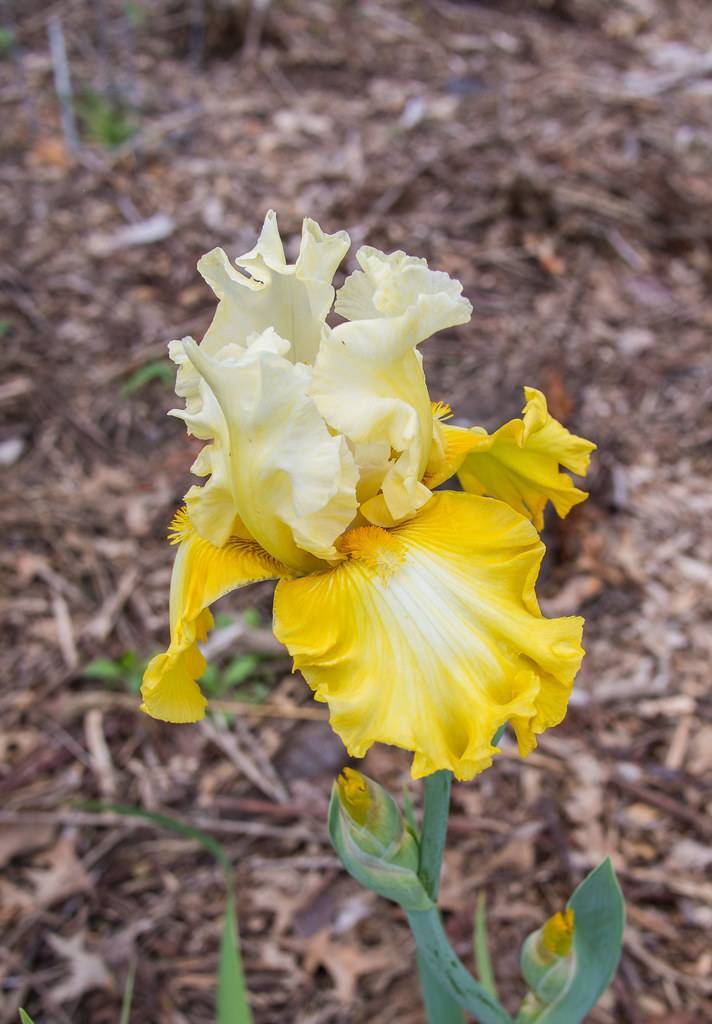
(25, 1017)
(433, 945)
(409, 811)
(232, 999)
(6, 41)
(440, 1006)
(222, 619)
(105, 120)
(211, 682)
(483, 962)
(252, 617)
(233, 1004)
(127, 1000)
(599, 919)
(104, 668)
(240, 669)
(136, 13)
(156, 369)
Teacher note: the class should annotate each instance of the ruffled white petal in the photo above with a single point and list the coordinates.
(294, 299)
(292, 484)
(390, 283)
(368, 384)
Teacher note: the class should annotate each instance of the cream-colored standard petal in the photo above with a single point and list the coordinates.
(202, 573)
(369, 385)
(390, 283)
(519, 463)
(294, 299)
(429, 636)
(293, 484)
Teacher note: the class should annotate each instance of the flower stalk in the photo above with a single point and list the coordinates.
(446, 984)
(440, 1006)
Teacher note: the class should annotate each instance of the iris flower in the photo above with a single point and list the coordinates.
(411, 612)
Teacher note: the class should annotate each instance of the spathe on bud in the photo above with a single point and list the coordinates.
(548, 961)
(375, 845)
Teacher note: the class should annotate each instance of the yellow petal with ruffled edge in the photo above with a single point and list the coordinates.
(202, 573)
(292, 482)
(294, 299)
(429, 636)
(519, 463)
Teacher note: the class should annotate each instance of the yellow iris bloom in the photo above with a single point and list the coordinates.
(413, 614)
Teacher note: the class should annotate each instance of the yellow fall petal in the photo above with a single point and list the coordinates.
(202, 573)
(429, 636)
(519, 463)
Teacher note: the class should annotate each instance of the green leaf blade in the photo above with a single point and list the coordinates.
(233, 1004)
(232, 999)
(483, 961)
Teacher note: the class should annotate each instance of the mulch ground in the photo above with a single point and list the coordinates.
(554, 156)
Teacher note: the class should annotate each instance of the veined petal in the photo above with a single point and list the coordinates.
(293, 484)
(294, 299)
(202, 573)
(519, 463)
(390, 283)
(429, 636)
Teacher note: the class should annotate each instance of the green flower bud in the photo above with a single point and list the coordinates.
(374, 844)
(547, 961)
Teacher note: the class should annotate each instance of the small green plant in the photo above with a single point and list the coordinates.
(105, 120)
(136, 13)
(5, 328)
(126, 670)
(249, 676)
(156, 369)
(6, 43)
(232, 997)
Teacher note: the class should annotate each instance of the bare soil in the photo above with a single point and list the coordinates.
(555, 156)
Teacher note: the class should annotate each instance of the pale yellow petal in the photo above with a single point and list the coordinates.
(202, 573)
(294, 299)
(293, 483)
(390, 283)
(429, 636)
(520, 462)
(369, 385)
(368, 381)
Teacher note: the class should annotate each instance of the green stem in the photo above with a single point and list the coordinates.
(445, 964)
(440, 1006)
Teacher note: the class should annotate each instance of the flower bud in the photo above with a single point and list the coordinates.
(548, 959)
(373, 842)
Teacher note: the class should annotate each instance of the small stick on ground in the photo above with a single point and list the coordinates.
(63, 83)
